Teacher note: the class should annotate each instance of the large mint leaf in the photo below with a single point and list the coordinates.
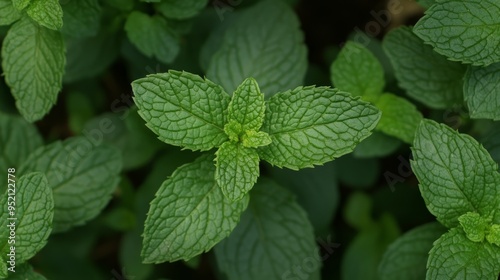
(81, 18)
(180, 9)
(18, 139)
(467, 31)
(276, 57)
(152, 36)
(406, 258)
(237, 169)
(400, 118)
(456, 174)
(8, 14)
(456, 257)
(183, 109)
(273, 240)
(247, 106)
(189, 214)
(33, 61)
(47, 13)
(82, 178)
(313, 125)
(31, 218)
(482, 91)
(358, 71)
(425, 75)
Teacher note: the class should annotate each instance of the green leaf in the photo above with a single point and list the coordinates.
(358, 71)
(81, 18)
(493, 236)
(425, 75)
(474, 226)
(400, 118)
(472, 37)
(456, 257)
(152, 36)
(183, 109)
(47, 13)
(276, 57)
(8, 14)
(18, 139)
(24, 272)
(180, 9)
(31, 218)
(456, 174)
(189, 214)
(247, 106)
(274, 239)
(406, 258)
(313, 125)
(20, 4)
(357, 211)
(377, 145)
(482, 91)
(81, 175)
(3, 270)
(33, 61)
(254, 139)
(237, 169)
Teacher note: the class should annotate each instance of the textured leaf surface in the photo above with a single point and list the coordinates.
(474, 226)
(247, 106)
(272, 238)
(237, 169)
(357, 71)
(47, 13)
(189, 214)
(406, 258)
(456, 174)
(425, 75)
(81, 18)
(18, 139)
(8, 14)
(400, 118)
(467, 31)
(152, 36)
(276, 57)
(313, 125)
(180, 9)
(183, 109)
(34, 210)
(482, 91)
(33, 61)
(456, 257)
(82, 178)
(20, 4)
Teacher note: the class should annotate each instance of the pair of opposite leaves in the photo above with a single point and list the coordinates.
(297, 128)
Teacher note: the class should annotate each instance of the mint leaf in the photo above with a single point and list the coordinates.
(493, 236)
(406, 258)
(474, 225)
(152, 36)
(82, 178)
(25, 271)
(377, 145)
(473, 37)
(313, 125)
(32, 218)
(254, 139)
(400, 118)
(276, 57)
(237, 169)
(425, 75)
(3, 269)
(47, 13)
(247, 106)
(180, 9)
(456, 174)
(18, 139)
(358, 71)
(189, 214)
(33, 61)
(482, 91)
(8, 14)
(81, 18)
(274, 239)
(456, 257)
(183, 109)
(20, 4)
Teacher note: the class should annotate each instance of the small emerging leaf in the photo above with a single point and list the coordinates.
(247, 106)
(254, 139)
(474, 226)
(494, 235)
